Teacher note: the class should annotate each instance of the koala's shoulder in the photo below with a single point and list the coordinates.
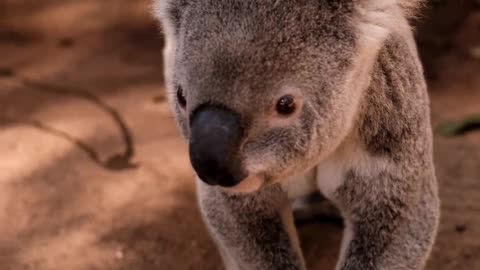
(396, 105)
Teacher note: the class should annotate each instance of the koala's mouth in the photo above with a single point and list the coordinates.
(249, 184)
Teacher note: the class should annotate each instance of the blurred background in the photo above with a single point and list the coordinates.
(94, 175)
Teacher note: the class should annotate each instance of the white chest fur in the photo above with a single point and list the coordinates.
(330, 176)
(301, 185)
(330, 173)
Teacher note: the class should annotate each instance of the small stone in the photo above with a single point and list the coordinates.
(475, 52)
(6, 72)
(461, 228)
(159, 99)
(119, 254)
(66, 42)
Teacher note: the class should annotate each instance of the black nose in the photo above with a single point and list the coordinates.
(215, 136)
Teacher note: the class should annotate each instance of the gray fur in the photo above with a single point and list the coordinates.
(250, 228)
(362, 124)
(392, 95)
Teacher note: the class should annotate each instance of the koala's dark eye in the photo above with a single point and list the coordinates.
(181, 97)
(286, 105)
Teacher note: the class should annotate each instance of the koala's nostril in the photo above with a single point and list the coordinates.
(215, 136)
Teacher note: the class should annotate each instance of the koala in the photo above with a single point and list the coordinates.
(281, 98)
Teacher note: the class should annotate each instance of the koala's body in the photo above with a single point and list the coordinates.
(280, 98)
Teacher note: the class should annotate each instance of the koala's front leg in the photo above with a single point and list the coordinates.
(253, 231)
(391, 221)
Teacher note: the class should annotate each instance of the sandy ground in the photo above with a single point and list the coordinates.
(94, 175)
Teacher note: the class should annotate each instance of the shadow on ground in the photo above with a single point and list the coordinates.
(94, 175)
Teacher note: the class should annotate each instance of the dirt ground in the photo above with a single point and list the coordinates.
(94, 175)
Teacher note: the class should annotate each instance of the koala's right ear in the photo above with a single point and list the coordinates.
(169, 13)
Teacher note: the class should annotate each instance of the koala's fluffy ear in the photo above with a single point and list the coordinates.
(169, 13)
(409, 7)
(378, 18)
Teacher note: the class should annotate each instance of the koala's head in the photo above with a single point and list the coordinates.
(264, 89)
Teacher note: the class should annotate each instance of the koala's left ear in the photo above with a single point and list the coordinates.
(169, 12)
(409, 7)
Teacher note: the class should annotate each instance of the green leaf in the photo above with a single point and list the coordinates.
(456, 128)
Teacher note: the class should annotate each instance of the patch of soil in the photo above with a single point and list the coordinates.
(94, 175)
